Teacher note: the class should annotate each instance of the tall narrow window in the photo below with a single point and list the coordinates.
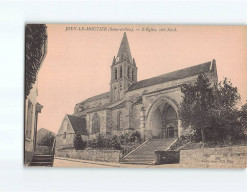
(29, 119)
(115, 93)
(96, 124)
(133, 74)
(119, 120)
(121, 72)
(128, 72)
(115, 73)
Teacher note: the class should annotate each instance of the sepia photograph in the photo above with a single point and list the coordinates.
(135, 96)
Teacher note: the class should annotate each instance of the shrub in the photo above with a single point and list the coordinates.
(135, 136)
(46, 140)
(79, 144)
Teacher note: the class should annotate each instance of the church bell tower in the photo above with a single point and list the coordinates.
(123, 71)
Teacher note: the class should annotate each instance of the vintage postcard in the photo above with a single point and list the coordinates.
(155, 96)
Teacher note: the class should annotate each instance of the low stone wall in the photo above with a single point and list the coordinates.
(93, 155)
(225, 157)
(167, 157)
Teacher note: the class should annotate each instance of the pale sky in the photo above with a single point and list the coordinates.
(77, 64)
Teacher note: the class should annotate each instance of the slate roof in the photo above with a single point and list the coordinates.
(179, 74)
(78, 124)
(124, 50)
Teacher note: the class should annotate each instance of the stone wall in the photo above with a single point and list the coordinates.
(167, 157)
(225, 157)
(29, 141)
(114, 118)
(65, 143)
(93, 155)
(135, 117)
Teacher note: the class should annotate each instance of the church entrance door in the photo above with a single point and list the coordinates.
(164, 122)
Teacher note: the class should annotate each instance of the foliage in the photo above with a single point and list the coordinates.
(186, 143)
(46, 140)
(114, 142)
(211, 111)
(196, 104)
(243, 116)
(104, 142)
(135, 137)
(35, 38)
(79, 144)
(131, 137)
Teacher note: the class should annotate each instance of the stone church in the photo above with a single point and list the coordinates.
(148, 106)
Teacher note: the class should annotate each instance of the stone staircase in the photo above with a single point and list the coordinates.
(145, 154)
(42, 160)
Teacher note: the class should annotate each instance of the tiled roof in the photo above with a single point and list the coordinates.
(78, 124)
(179, 74)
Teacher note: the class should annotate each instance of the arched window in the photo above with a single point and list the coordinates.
(133, 75)
(128, 72)
(121, 72)
(115, 73)
(96, 124)
(119, 120)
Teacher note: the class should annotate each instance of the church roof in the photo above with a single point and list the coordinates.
(96, 97)
(124, 53)
(78, 124)
(179, 74)
(110, 105)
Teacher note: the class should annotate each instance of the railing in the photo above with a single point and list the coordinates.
(126, 151)
(53, 151)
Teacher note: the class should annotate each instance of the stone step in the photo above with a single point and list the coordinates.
(140, 156)
(138, 162)
(41, 164)
(146, 153)
(42, 158)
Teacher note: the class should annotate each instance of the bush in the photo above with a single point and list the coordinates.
(132, 137)
(135, 136)
(79, 144)
(46, 140)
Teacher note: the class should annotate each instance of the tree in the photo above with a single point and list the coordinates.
(211, 111)
(47, 140)
(243, 116)
(226, 124)
(79, 144)
(35, 40)
(195, 107)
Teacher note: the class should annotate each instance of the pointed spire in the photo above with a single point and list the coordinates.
(114, 61)
(134, 62)
(124, 53)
